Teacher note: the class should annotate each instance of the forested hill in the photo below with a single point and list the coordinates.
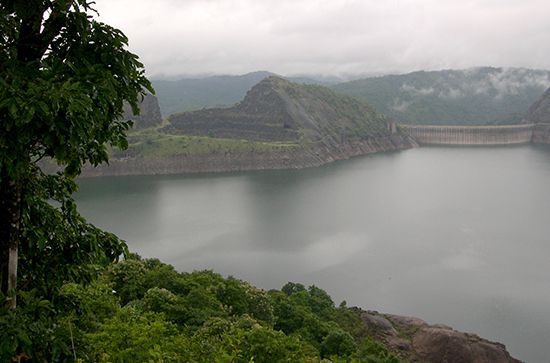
(539, 112)
(189, 94)
(143, 310)
(472, 96)
(278, 110)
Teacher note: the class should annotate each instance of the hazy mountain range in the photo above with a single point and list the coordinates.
(473, 96)
(189, 94)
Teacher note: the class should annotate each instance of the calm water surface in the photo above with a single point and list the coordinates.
(459, 236)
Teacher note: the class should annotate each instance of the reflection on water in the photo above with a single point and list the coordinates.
(453, 235)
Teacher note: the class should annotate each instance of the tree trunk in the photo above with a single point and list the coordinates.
(10, 228)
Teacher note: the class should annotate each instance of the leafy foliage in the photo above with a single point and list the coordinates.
(197, 317)
(64, 78)
(33, 330)
(371, 351)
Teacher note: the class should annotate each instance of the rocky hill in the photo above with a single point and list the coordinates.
(149, 115)
(539, 112)
(278, 125)
(190, 94)
(278, 110)
(473, 96)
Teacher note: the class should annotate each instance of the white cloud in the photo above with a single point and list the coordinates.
(417, 91)
(331, 36)
(452, 93)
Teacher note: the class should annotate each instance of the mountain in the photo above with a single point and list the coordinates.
(539, 112)
(278, 110)
(189, 94)
(473, 96)
(149, 115)
(278, 125)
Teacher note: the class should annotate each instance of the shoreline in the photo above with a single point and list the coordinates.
(248, 161)
(299, 158)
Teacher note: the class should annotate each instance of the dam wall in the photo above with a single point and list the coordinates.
(474, 135)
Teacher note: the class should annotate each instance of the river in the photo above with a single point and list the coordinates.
(457, 236)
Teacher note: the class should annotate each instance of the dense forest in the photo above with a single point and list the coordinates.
(142, 310)
(475, 96)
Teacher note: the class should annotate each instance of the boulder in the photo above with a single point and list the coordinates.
(417, 341)
(446, 345)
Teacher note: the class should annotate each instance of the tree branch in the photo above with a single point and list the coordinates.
(54, 23)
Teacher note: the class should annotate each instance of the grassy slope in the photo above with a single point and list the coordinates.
(153, 144)
(340, 111)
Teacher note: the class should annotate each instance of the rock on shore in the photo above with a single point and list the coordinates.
(417, 341)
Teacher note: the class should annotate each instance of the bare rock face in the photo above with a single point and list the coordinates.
(278, 110)
(539, 112)
(445, 345)
(149, 115)
(415, 340)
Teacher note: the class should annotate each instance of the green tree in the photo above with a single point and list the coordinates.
(64, 77)
(132, 336)
(339, 343)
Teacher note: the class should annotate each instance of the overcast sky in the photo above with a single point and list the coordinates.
(331, 37)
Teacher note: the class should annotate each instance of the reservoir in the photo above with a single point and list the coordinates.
(456, 236)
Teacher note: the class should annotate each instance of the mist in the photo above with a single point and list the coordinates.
(336, 37)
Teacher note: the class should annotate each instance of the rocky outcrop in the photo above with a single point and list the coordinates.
(295, 158)
(278, 110)
(149, 115)
(415, 340)
(317, 125)
(539, 112)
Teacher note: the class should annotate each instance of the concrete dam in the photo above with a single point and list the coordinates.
(476, 135)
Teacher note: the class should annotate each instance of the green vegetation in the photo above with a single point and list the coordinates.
(64, 78)
(473, 96)
(141, 310)
(356, 118)
(152, 144)
(276, 110)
